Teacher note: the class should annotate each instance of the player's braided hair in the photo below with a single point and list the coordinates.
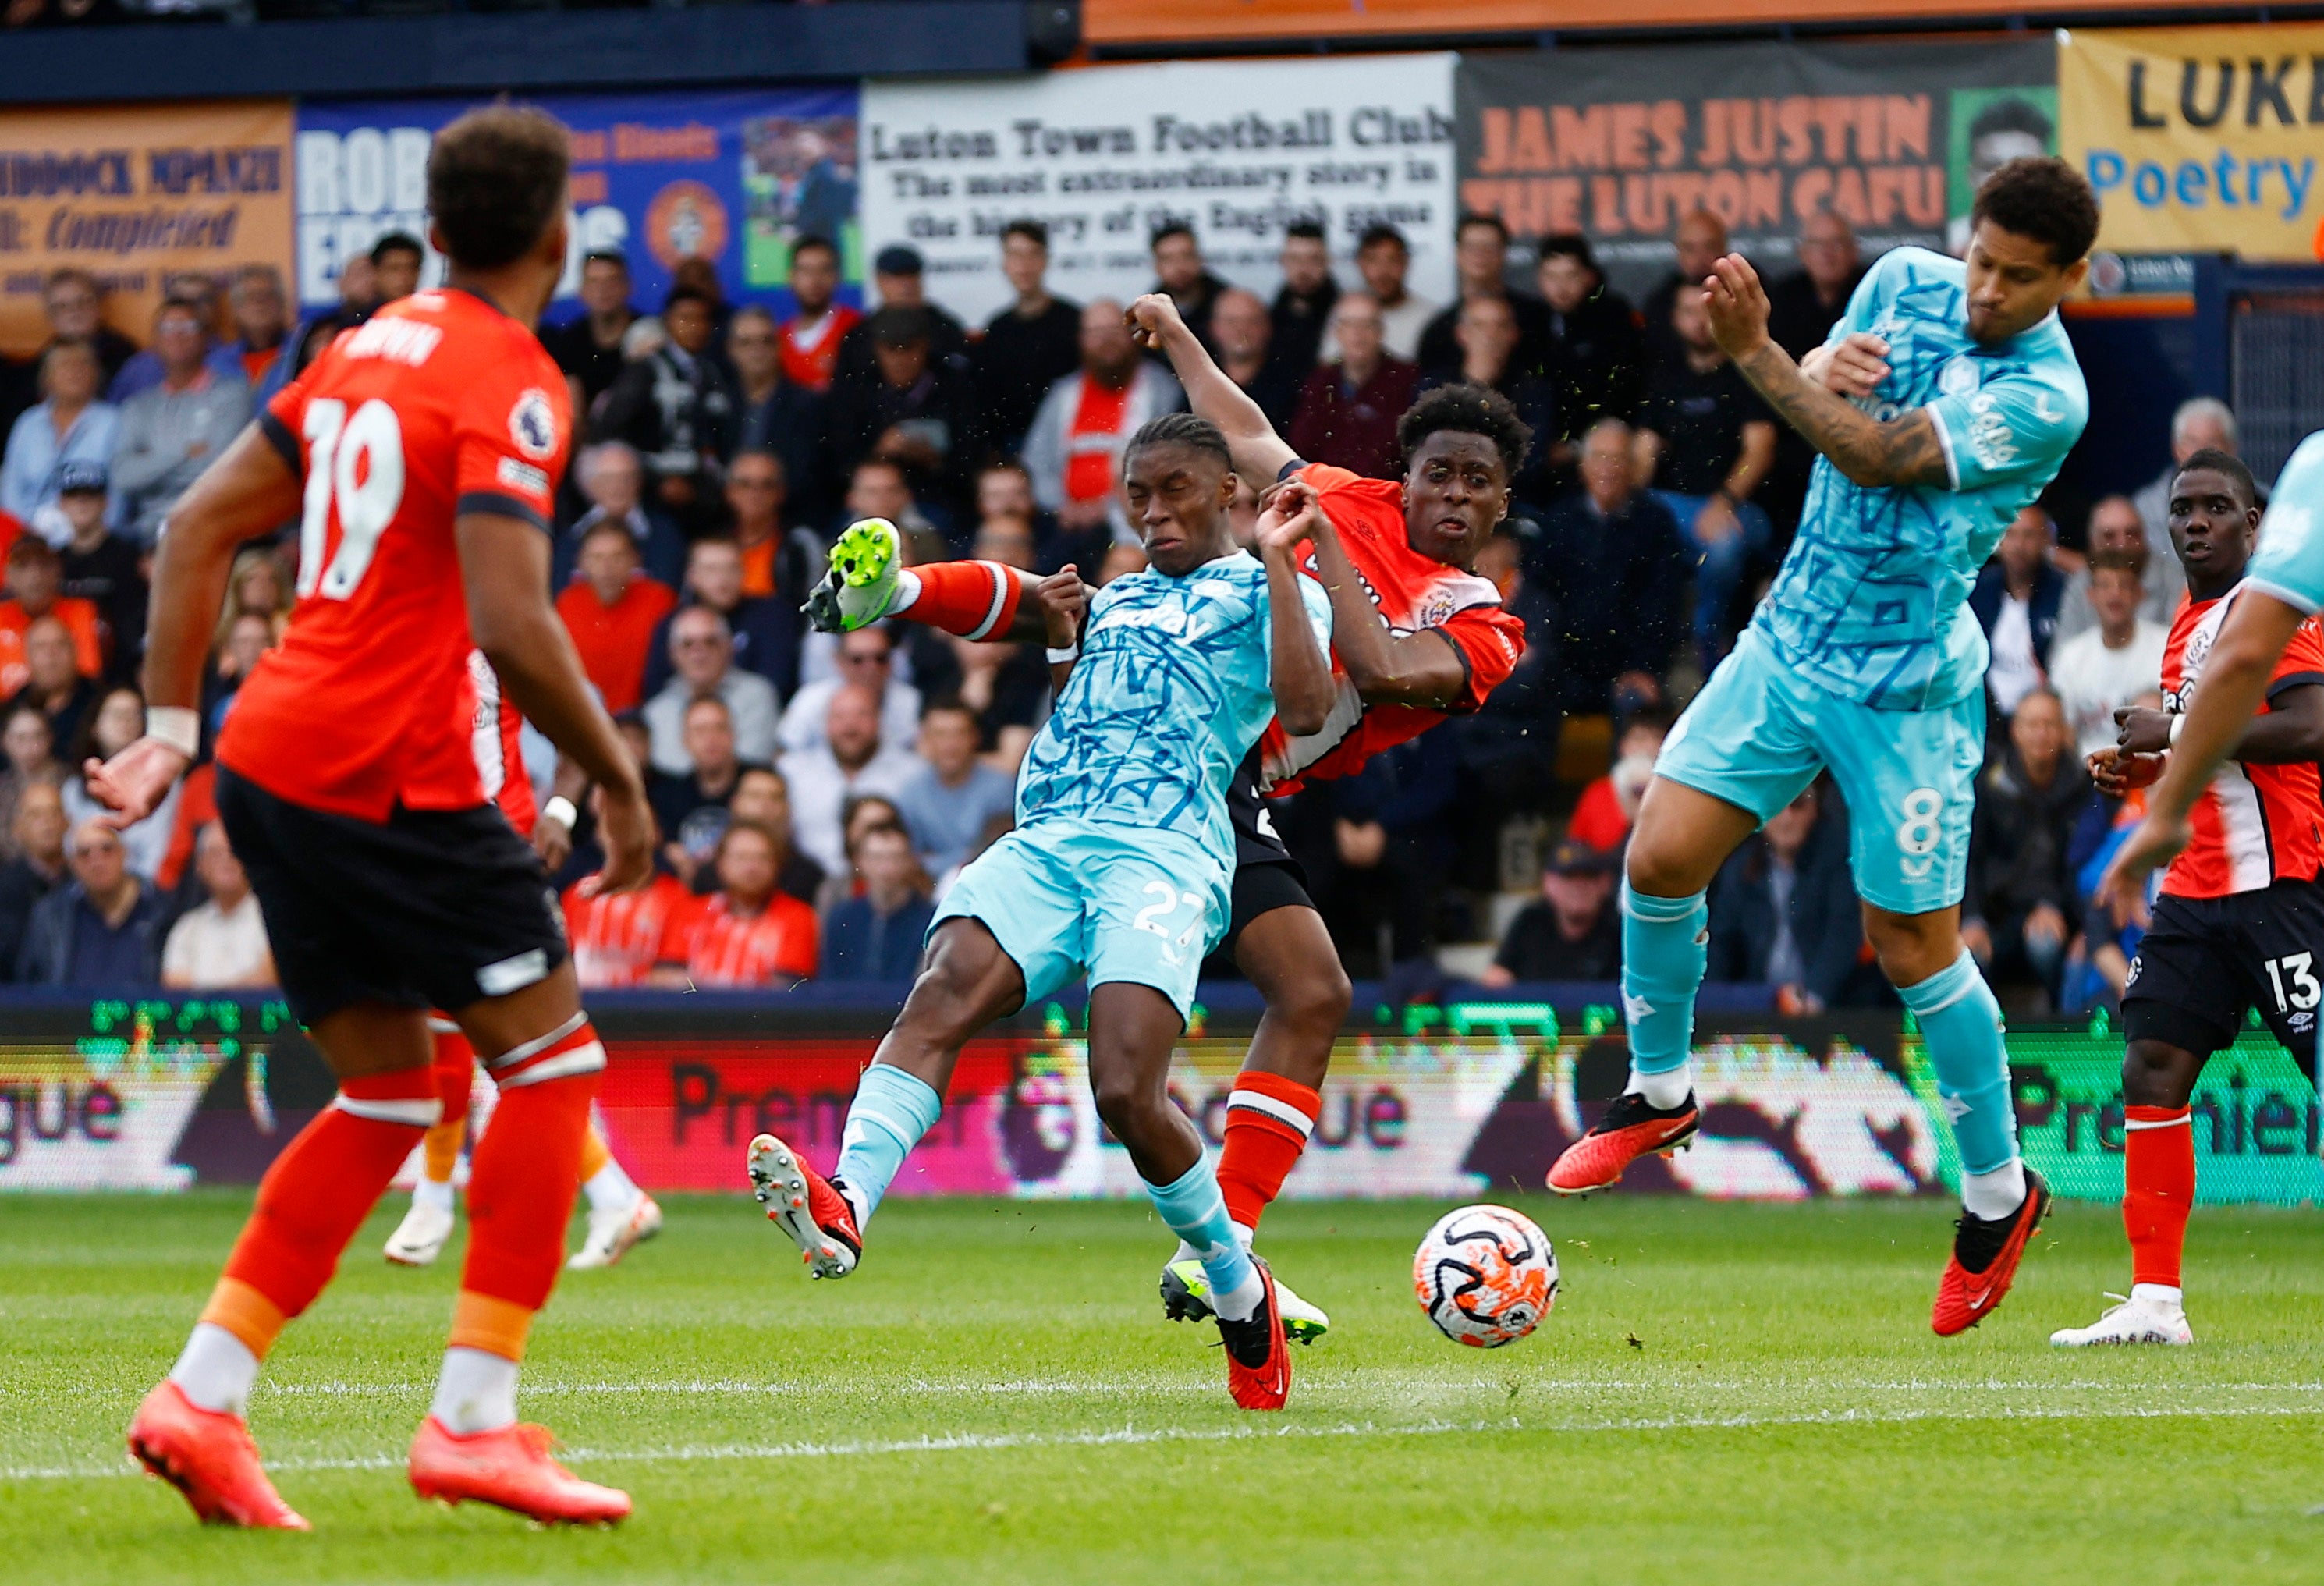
(1468, 409)
(2227, 463)
(2046, 199)
(1180, 429)
(496, 181)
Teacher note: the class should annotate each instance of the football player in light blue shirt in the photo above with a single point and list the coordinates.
(1945, 401)
(1120, 865)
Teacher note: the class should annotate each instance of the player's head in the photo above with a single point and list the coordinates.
(2030, 236)
(2214, 518)
(1179, 480)
(1462, 447)
(496, 180)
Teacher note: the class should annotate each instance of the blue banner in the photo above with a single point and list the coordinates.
(733, 177)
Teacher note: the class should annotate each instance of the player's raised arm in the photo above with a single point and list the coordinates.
(1299, 670)
(1423, 669)
(1259, 453)
(250, 489)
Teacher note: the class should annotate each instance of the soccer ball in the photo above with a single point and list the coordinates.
(1486, 1276)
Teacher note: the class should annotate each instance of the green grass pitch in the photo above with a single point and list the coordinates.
(1724, 1393)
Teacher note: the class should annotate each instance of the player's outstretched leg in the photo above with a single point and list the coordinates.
(867, 581)
(421, 1237)
(621, 1215)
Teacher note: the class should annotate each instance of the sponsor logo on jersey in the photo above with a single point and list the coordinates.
(533, 424)
(523, 476)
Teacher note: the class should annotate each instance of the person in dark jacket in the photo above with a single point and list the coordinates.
(1613, 560)
(1784, 912)
(875, 934)
(2022, 905)
(2017, 600)
(38, 869)
(1481, 262)
(1595, 351)
(678, 408)
(102, 929)
(1030, 345)
(916, 411)
(1573, 933)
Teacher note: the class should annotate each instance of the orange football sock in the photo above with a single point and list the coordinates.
(456, 1077)
(1268, 1120)
(595, 1154)
(976, 600)
(524, 1178)
(316, 1196)
(2158, 1170)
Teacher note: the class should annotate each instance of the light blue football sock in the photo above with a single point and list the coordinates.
(1960, 1028)
(1665, 950)
(891, 1110)
(1192, 1208)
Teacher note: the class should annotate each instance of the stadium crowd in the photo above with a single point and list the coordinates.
(816, 793)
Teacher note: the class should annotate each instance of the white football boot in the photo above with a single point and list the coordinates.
(1186, 1297)
(613, 1230)
(2140, 1318)
(419, 1238)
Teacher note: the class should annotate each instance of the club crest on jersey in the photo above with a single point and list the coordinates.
(1436, 609)
(532, 423)
(1958, 377)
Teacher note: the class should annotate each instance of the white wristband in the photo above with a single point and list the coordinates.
(177, 725)
(1058, 658)
(2178, 725)
(560, 810)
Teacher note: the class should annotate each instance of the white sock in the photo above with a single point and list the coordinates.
(217, 1370)
(429, 1193)
(1995, 1195)
(476, 1393)
(1240, 1303)
(1665, 1090)
(908, 592)
(610, 1189)
(2160, 1293)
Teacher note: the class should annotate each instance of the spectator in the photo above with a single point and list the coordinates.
(748, 933)
(1701, 239)
(1803, 307)
(1118, 559)
(702, 655)
(144, 370)
(99, 930)
(852, 760)
(612, 480)
(588, 346)
(1616, 564)
(811, 336)
(101, 569)
(1593, 349)
(1347, 410)
(1509, 744)
(53, 683)
(1005, 685)
(2198, 424)
(1705, 441)
(2020, 909)
(1005, 491)
(1480, 259)
(1783, 913)
(247, 638)
(875, 934)
(763, 796)
(896, 276)
(262, 325)
(1302, 309)
(1394, 850)
(676, 407)
(170, 434)
(613, 611)
(775, 565)
(1074, 450)
(2115, 529)
(75, 304)
(1608, 806)
(866, 658)
(1030, 345)
(223, 943)
(1180, 271)
(29, 757)
(119, 721)
(697, 273)
(1244, 332)
(913, 409)
(1383, 258)
(1573, 933)
(2016, 601)
(766, 632)
(775, 417)
(691, 806)
(36, 868)
(1488, 335)
(616, 936)
(68, 425)
(256, 586)
(2103, 668)
(952, 802)
(35, 581)
(397, 259)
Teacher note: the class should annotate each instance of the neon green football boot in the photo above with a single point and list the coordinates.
(1186, 1297)
(860, 586)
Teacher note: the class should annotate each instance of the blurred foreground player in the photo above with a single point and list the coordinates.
(421, 454)
(2240, 922)
(1865, 658)
(1120, 865)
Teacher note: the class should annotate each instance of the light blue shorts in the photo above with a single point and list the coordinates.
(1124, 903)
(1758, 733)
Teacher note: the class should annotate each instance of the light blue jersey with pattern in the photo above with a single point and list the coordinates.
(1170, 693)
(2290, 561)
(1872, 600)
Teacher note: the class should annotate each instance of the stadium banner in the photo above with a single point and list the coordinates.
(2199, 139)
(138, 196)
(1451, 1102)
(1622, 143)
(1236, 149)
(733, 178)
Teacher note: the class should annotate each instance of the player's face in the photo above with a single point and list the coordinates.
(2212, 529)
(1454, 494)
(2014, 283)
(1178, 499)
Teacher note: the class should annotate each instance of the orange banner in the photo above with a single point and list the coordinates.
(137, 196)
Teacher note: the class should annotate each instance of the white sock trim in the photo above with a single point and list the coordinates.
(424, 1114)
(217, 1369)
(429, 1193)
(1996, 1193)
(1281, 1110)
(523, 1050)
(1240, 1303)
(2160, 1294)
(2132, 1125)
(583, 1059)
(476, 1392)
(1665, 1090)
(1001, 577)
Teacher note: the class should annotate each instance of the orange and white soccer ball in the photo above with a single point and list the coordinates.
(1486, 1276)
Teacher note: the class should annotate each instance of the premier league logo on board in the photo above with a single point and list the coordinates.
(532, 423)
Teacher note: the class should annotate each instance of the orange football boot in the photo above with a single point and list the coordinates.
(1629, 1129)
(1258, 1356)
(509, 1467)
(209, 1456)
(805, 1205)
(1983, 1262)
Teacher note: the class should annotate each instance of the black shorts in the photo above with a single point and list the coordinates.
(2205, 962)
(434, 908)
(1265, 878)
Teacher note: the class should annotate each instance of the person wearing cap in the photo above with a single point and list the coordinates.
(897, 280)
(677, 406)
(101, 567)
(1572, 933)
(916, 411)
(68, 425)
(35, 581)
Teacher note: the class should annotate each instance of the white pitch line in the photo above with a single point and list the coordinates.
(952, 1443)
